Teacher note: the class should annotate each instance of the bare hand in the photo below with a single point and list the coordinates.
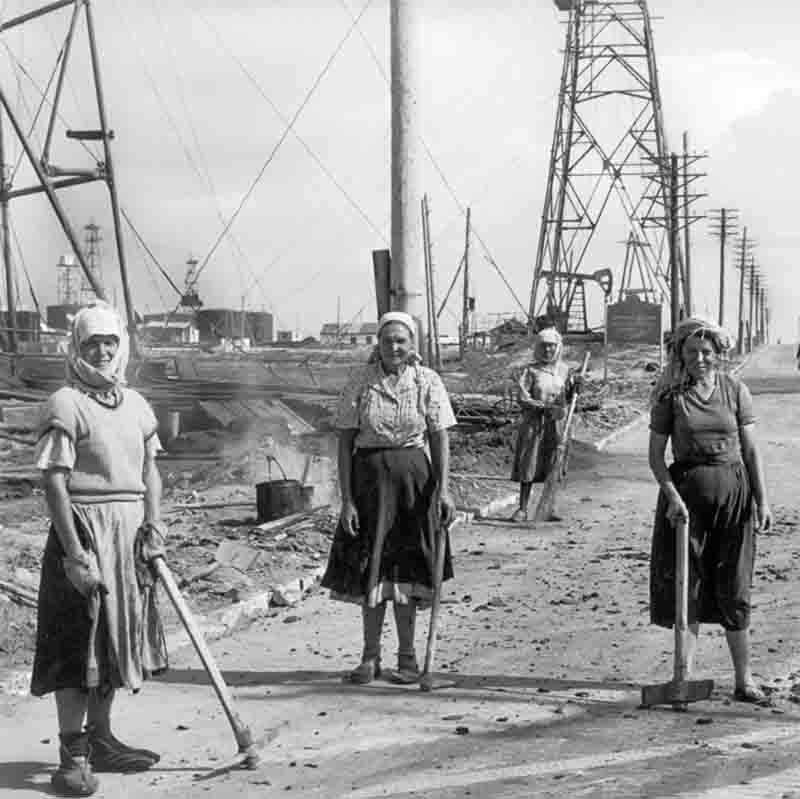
(447, 509)
(150, 542)
(348, 516)
(677, 511)
(763, 520)
(557, 412)
(84, 573)
(578, 383)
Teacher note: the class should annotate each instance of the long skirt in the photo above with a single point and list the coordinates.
(722, 547)
(393, 491)
(82, 643)
(536, 447)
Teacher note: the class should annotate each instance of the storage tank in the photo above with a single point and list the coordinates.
(58, 316)
(218, 323)
(259, 328)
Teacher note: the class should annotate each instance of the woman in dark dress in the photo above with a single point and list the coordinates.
(716, 482)
(395, 497)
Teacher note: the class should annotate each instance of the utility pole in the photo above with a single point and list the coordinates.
(744, 247)
(687, 278)
(407, 280)
(11, 315)
(465, 301)
(723, 224)
(674, 261)
(753, 282)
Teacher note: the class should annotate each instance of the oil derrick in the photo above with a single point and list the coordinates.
(91, 252)
(67, 288)
(189, 297)
(609, 132)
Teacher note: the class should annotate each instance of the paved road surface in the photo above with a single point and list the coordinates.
(545, 632)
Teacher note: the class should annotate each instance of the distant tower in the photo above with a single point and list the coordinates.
(190, 298)
(91, 251)
(607, 161)
(68, 280)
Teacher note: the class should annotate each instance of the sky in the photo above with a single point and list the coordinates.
(199, 95)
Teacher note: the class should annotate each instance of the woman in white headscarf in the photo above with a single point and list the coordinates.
(395, 499)
(544, 388)
(98, 626)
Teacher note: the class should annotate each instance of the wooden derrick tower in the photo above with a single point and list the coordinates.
(607, 162)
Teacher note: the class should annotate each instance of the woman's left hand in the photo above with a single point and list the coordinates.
(447, 509)
(763, 517)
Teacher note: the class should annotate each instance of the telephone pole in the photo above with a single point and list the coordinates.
(723, 225)
(674, 257)
(744, 248)
(11, 312)
(687, 241)
(752, 288)
(465, 300)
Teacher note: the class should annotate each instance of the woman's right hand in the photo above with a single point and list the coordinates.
(677, 510)
(348, 516)
(84, 573)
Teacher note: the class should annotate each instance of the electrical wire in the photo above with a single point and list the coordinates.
(282, 139)
(306, 146)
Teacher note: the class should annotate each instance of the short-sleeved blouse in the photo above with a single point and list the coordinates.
(705, 431)
(394, 410)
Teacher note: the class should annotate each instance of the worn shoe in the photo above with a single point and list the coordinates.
(407, 670)
(519, 515)
(108, 754)
(365, 672)
(74, 775)
(751, 694)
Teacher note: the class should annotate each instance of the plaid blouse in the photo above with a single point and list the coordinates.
(394, 410)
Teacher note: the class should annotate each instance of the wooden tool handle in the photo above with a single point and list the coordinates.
(681, 597)
(240, 730)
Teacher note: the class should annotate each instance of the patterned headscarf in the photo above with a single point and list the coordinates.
(675, 378)
(98, 319)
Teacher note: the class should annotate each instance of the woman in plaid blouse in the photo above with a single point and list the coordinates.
(394, 456)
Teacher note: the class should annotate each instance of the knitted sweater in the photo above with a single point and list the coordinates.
(109, 443)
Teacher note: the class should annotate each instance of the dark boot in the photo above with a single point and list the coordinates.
(107, 753)
(370, 667)
(74, 775)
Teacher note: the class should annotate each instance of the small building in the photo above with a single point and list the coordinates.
(332, 333)
(507, 333)
(365, 335)
(285, 337)
(166, 330)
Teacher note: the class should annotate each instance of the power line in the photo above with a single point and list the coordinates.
(282, 139)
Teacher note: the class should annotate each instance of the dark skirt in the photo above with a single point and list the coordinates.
(722, 547)
(536, 447)
(393, 491)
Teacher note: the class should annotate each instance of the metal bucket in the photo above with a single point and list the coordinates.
(278, 498)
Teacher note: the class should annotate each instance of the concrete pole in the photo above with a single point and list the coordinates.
(408, 265)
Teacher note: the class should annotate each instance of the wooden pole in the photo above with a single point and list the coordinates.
(428, 298)
(674, 262)
(687, 283)
(11, 317)
(740, 339)
(408, 282)
(465, 300)
(752, 289)
(723, 233)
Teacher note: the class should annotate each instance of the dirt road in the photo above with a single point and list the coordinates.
(545, 632)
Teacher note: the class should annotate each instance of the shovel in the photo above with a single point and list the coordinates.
(679, 691)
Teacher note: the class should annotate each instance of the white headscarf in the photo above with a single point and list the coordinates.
(98, 319)
(405, 319)
(398, 316)
(548, 335)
